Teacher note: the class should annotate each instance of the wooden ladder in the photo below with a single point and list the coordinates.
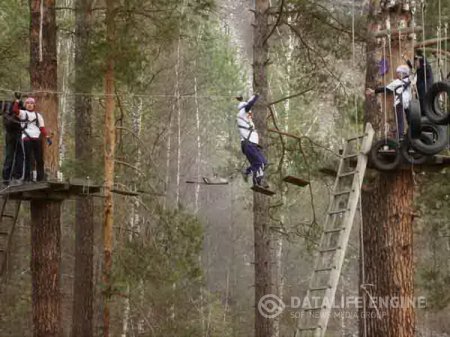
(314, 317)
(8, 218)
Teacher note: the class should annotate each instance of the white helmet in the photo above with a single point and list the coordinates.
(403, 69)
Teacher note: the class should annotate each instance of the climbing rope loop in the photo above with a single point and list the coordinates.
(414, 119)
(434, 103)
(433, 138)
(412, 156)
(385, 154)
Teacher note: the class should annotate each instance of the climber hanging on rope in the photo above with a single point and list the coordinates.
(401, 88)
(250, 142)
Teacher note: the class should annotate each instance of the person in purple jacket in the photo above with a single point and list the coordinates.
(250, 142)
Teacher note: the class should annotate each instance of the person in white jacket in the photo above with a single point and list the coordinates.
(401, 88)
(32, 129)
(250, 142)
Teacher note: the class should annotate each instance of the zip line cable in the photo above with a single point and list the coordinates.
(61, 93)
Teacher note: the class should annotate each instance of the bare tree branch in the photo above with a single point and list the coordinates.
(276, 23)
(291, 96)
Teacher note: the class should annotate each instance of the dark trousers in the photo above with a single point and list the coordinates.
(13, 164)
(256, 159)
(401, 114)
(33, 153)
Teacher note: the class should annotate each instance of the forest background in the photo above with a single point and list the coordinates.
(183, 253)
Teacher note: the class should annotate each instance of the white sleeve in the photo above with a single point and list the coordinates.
(41, 121)
(394, 85)
(22, 114)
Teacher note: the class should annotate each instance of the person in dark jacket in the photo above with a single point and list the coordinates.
(424, 76)
(13, 158)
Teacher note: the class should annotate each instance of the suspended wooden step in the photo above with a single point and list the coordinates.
(262, 190)
(296, 181)
(396, 32)
(209, 181)
(328, 171)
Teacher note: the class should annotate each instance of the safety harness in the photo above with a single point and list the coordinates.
(249, 128)
(26, 122)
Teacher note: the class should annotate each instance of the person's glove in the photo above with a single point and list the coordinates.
(49, 141)
(17, 95)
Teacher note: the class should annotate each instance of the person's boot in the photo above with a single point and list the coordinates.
(246, 175)
(261, 182)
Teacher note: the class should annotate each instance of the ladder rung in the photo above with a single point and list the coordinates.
(338, 211)
(348, 156)
(4, 233)
(8, 216)
(324, 269)
(334, 230)
(347, 174)
(312, 309)
(320, 288)
(329, 249)
(355, 138)
(342, 192)
(309, 328)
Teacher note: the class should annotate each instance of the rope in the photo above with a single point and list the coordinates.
(106, 95)
(384, 96)
(363, 272)
(423, 39)
(354, 65)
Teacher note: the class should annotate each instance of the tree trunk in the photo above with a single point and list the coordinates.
(261, 220)
(387, 264)
(45, 262)
(45, 214)
(109, 163)
(83, 288)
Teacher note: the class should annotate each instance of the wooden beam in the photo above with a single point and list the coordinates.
(418, 45)
(285, 134)
(442, 52)
(396, 32)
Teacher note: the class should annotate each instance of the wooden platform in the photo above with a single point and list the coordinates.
(296, 181)
(262, 190)
(209, 181)
(50, 190)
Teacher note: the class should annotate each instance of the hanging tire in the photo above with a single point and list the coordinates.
(410, 155)
(385, 154)
(433, 106)
(433, 138)
(414, 119)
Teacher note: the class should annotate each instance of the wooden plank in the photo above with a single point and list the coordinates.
(396, 32)
(124, 192)
(328, 171)
(215, 181)
(296, 181)
(28, 186)
(265, 191)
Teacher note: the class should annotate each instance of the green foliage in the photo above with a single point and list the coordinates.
(13, 46)
(160, 267)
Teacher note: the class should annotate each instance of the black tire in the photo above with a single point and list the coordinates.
(414, 119)
(388, 161)
(433, 110)
(438, 141)
(410, 155)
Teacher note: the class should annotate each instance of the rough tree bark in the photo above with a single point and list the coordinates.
(261, 220)
(110, 140)
(387, 208)
(83, 288)
(45, 214)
